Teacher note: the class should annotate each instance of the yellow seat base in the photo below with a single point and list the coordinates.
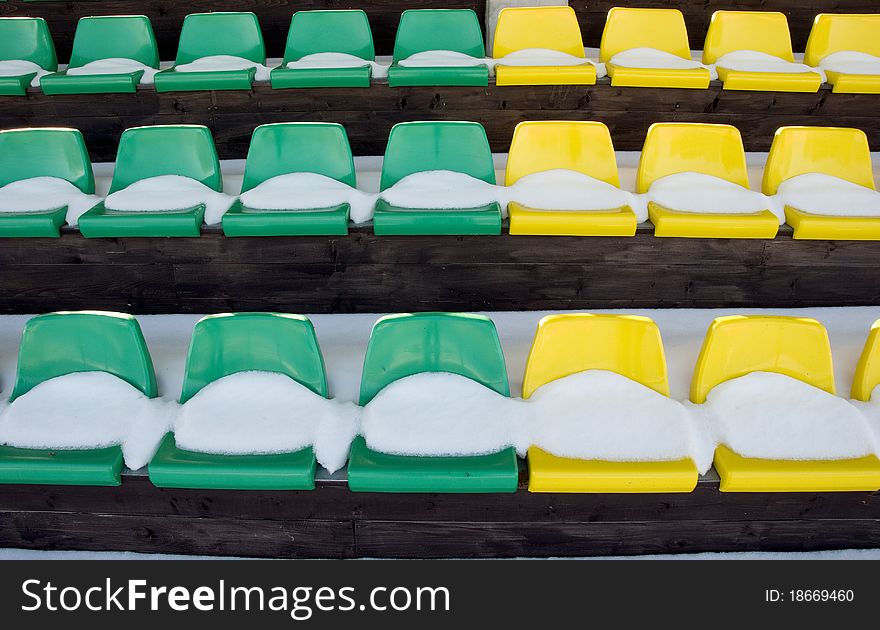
(695, 78)
(548, 473)
(545, 75)
(668, 222)
(823, 227)
(744, 474)
(770, 81)
(854, 83)
(613, 222)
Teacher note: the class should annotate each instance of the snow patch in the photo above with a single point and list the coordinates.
(755, 61)
(698, 192)
(115, 65)
(170, 193)
(818, 193)
(19, 67)
(338, 60)
(219, 63)
(443, 59)
(441, 190)
(851, 62)
(657, 59)
(40, 194)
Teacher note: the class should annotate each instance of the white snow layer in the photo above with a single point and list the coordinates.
(115, 65)
(218, 63)
(263, 412)
(657, 59)
(170, 193)
(755, 61)
(851, 62)
(338, 60)
(87, 410)
(19, 67)
(440, 190)
(39, 194)
(773, 416)
(309, 191)
(698, 192)
(525, 57)
(818, 193)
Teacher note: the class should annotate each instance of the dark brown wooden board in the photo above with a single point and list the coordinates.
(365, 273)
(368, 114)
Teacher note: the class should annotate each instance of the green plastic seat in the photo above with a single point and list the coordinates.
(209, 34)
(186, 150)
(421, 30)
(282, 148)
(322, 32)
(25, 39)
(428, 146)
(230, 343)
(105, 37)
(403, 345)
(64, 343)
(27, 153)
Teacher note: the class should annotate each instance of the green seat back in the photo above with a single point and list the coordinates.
(281, 148)
(50, 152)
(407, 344)
(438, 29)
(225, 33)
(429, 146)
(56, 344)
(329, 31)
(28, 39)
(269, 342)
(186, 150)
(128, 36)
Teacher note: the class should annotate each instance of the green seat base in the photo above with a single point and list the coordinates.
(401, 76)
(369, 471)
(172, 467)
(171, 81)
(391, 220)
(98, 467)
(16, 86)
(32, 224)
(320, 77)
(241, 221)
(102, 223)
(63, 83)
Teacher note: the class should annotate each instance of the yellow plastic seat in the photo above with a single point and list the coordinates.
(838, 151)
(797, 347)
(761, 31)
(628, 345)
(554, 28)
(582, 146)
(663, 29)
(833, 33)
(867, 375)
(715, 150)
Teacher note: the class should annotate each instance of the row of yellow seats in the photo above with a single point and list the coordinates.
(733, 347)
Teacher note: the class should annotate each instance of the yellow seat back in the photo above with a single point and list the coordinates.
(832, 33)
(626, 28)
(839, 151)
(583, 146)
(867, 375)
(568, 344)
(701, 148)
(737, 345)
(763, 31)
(555, 28)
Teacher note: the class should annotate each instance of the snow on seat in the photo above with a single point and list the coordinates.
(327, 49)
(416, 148)
(847, 49)
(111, 54)
(287, 164)
(401, 346)
(167, 181)
(432, 31)
(540, 28)
(216, 51)
(581, 345)
(59, 344)
(45, 179)
(824, 178)
(26, 54)
(228, 344)
(579, 147)
(649, 48)
(778, 411)
(683, 157)
(752, 51)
